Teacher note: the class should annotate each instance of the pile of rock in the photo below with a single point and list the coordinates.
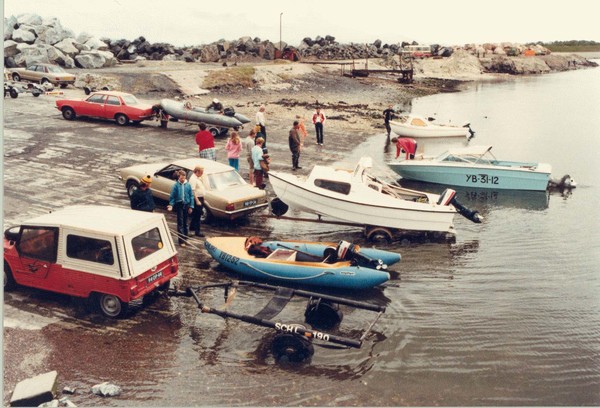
(29, 38)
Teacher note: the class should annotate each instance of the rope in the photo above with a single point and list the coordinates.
(188, 240)
(282, 277)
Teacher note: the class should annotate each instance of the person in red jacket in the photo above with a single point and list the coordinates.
(318, 119)
(206, 143)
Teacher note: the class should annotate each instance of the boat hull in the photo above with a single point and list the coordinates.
(473, 176)
(413, 216)
(430, 131)
(340, 275)
(177, 110)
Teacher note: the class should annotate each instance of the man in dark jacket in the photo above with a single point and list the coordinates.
(141, 198)
(295, 145)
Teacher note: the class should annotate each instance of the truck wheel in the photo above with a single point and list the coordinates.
(131, 187)
(13, 93)
(121, 119)
(16, 77)
(9, 281)
(111, 306)
(68, 113)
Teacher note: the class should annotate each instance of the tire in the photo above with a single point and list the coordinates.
(206, 215)
(44, 80)
(293, 348)
(13, 93)
(121, 119)
(16, 77)
(36, 93)
(379, 234)
(87, 90)
(9, 280)
(131, 187)
(68, 113)
(111, 306)
(323, 315)
(63, 86)
(215, 132)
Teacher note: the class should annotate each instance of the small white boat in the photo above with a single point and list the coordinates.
(475, 166)
(418, 127)
(357, 197)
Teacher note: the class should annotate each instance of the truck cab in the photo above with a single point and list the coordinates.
(109, 255)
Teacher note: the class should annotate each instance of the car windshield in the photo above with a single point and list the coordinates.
(130, 99)
(55, 69)
(222, 181)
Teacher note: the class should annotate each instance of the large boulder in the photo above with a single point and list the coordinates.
(10, 48)
(210, 53)
(95, 59)
(10, 25)
(68, 47)
(31, 54)
(23, 36)
(29, 19)
(96, 44)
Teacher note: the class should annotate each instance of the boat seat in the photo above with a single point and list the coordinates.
(283, 255)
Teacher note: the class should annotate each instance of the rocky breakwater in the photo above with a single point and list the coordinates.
(30, 39)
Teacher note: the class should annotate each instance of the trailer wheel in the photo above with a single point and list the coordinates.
(13, 93)
(292, 348)
(215, 132)
(111, 305)
(9, 280)
(87, 90)
(379, 234)
(323, 315)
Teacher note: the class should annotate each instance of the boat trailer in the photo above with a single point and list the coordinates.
(293, 342)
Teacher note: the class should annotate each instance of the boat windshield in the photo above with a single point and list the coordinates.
(335, 186)
(222, 181)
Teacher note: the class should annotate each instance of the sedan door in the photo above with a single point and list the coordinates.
(92, 106)
(112, 107)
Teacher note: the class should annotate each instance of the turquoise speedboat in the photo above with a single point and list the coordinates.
(475, 166)
(330, 265)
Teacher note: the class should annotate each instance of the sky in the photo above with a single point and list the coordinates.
(445, 22)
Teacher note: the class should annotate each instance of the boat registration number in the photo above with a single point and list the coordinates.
(250, 203)
(155, 277)
(482, 179)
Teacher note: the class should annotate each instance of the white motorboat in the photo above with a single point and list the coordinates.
(357, 197)
(475, 166)
(418, 127)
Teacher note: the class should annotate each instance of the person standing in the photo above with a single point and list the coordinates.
(388, 115)
(234, 148)
(206, 143)
(249, 143)
(141, 198)
(262, 124)
(301, 129)
(318, 120)
(295, 145)
(257, 157)
(198, 193)
(181, 200)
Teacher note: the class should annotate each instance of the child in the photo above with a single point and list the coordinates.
(234, 148)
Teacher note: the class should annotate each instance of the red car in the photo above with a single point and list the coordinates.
(120, 106)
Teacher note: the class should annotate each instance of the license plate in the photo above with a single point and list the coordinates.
(250, 203)
(154, 277)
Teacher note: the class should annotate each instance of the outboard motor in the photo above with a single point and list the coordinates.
(449, 197)
(471, 131)
(346, 251)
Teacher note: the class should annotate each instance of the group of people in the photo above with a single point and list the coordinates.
(186, 200)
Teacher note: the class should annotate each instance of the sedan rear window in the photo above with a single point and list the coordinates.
(222, 181)
(146, 244)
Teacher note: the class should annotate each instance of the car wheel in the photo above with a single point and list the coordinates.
(16, 77)
(44, 80)
(9, 281)
(63, 86)
(206, 215)
(13, 93)
(131, 187)
(121, 119)
(68, 113)
(111, 305)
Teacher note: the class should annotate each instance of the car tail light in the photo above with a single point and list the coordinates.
(230, 207)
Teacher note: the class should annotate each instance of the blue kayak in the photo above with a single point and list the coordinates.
(330, 265)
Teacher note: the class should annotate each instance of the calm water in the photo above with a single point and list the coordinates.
(519, 322)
